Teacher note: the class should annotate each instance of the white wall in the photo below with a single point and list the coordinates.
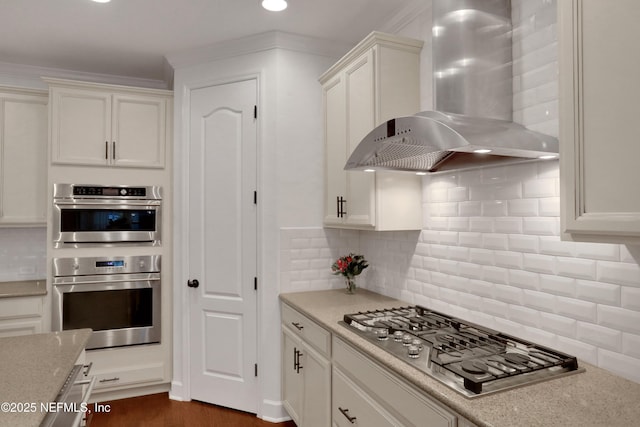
(490, 250)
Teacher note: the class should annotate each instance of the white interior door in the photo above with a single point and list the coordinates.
(222, 245)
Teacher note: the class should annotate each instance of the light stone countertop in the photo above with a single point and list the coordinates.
(592, 398)
(26, 288)
(33, 369)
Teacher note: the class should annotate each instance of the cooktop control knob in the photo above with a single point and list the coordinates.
(414, 351)
(406, 339)
(397, 336)
(382, 334)
(123, 191)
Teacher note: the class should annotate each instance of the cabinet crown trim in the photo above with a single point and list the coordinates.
(374, 38)
(106, 87)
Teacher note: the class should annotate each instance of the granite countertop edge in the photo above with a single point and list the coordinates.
(587, 398)
(34, 368)
(23, 288)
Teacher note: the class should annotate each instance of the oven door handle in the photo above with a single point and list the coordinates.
(111, 203)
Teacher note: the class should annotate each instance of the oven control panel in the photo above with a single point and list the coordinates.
(84, 266)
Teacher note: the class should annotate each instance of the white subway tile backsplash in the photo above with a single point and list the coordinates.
(630, 298)
(577, 309)
(621, 319)
(631, 345)
(508, 259)
(539, 263)
(621, 273)
(495, 274)
(576, 267)
(524, 243)
(509, 294)
(558, 285)
(508, 225)
(620, 364)
(524, 279)
(558, 324)
(494, 307)
(523, 207)
(542, 226)
(495, 241)
(541, 301)
(600, 336)
(601, 293)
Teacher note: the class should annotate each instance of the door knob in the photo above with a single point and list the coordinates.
(193, 283)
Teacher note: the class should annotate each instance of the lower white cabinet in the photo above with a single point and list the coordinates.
(366, 394)
(306, 370)
(20, 316)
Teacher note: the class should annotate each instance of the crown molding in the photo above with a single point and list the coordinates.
(405, 16)
(30, 76)
(258, 43)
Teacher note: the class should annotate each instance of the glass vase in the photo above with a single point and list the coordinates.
(350, 282)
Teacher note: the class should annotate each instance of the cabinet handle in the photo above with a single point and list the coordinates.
(106, 150)
(297, 325)
(108, 380)
(296, 360)
(345, 412)
(113, 152)
(340, 212)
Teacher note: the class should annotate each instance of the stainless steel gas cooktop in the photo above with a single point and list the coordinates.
(470, 359)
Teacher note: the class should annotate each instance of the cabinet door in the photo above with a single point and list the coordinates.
(139, 131)
(360, 87)
(23, 159)
(80, 126)
(335, 143)
(292, 385)
(317, 388)
(599, 148)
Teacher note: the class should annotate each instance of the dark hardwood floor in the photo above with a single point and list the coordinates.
(158, 410)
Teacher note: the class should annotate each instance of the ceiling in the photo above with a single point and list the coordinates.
(132, 37)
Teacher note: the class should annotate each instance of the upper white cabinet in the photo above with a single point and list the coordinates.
(599, 126)
(105, 125)
(23, 157)
(377, 80)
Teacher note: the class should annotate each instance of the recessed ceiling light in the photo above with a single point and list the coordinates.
(274, 5)
(101, 1)
(482, 151)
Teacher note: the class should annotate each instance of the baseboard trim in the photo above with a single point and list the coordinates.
(273, 411)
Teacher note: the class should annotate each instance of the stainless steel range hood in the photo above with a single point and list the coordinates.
(472, 125)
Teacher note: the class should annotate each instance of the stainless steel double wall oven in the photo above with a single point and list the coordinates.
(118, 296)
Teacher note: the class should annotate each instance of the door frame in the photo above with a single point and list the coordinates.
(181, 345)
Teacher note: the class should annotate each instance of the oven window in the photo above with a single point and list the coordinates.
(78, 220)
(104, 310)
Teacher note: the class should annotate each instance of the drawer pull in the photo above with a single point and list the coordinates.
(345, 412)
(87, 369)
(108, 380)
(297, 325)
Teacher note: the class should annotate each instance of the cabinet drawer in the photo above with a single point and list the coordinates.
(307, 329)
(133, 375)
(17, 308)
(401, 399)
(353, 407)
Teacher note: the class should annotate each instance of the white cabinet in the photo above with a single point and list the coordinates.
(599, 126)
(376, 81)
(105, 125)
(23, 157)
(306, 370)
(20, 316)
(366, 394)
